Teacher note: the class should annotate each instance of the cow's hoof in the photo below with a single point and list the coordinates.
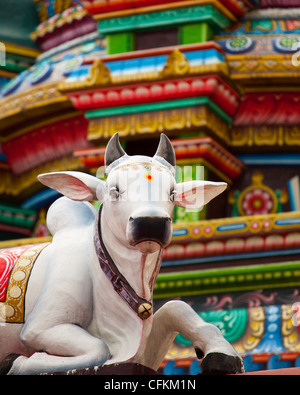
(219, 363)
(7, 363)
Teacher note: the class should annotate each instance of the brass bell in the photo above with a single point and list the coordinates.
(145, 310)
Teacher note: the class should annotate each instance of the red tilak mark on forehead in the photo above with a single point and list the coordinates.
(148, 177)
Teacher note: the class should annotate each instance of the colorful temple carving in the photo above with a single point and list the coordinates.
(221, 79)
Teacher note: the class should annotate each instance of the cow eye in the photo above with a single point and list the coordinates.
(173, 195)
(114, 193)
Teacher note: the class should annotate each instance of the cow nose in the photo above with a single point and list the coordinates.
(150, 228)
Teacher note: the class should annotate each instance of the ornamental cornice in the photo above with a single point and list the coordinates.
(14, 108)
(176, 66)
(58, 21)
(249, 67)
(242, 278)
(172, 17)
(195, 150)
(242, 226)
(211, 85)
(28, 99)
(234, 239)
(224, 9)
(279, 136)
(112, 7)
(142, 123)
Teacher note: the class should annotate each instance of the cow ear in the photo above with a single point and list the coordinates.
(75, 185)
(195, 194)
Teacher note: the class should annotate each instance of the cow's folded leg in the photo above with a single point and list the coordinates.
(178, 317)
(64, 347)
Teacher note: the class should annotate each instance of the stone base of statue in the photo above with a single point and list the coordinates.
(119, 369)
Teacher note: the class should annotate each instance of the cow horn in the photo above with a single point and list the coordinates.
(114, 150)
(165, 150)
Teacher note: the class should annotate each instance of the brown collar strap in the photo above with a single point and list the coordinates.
(140, 306)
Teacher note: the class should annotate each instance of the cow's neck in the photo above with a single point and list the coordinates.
(139, 269)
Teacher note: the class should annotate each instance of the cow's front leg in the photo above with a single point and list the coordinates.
(64, 347)
(178, 317)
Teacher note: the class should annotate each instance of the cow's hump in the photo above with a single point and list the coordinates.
(66, 213)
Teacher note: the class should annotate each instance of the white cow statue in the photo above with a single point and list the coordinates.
(89, 296)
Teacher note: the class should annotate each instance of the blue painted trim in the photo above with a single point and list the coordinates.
(287, 222)
(231, 227)
(180, 232)
(271, 159)
(41, 199)
(223, 258)
(149, 64)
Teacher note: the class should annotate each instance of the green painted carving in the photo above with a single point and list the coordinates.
(264, 25)
(232, 324)
(165, 18)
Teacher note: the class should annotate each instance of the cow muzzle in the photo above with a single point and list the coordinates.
(149, 233)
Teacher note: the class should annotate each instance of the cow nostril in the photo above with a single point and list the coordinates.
(148, 228)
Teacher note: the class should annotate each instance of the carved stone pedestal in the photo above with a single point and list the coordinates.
(121, 369)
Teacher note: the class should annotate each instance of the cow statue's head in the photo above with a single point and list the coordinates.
(139, 194)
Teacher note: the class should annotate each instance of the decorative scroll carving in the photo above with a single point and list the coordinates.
(99, 76)
(290, 333)
(177, 65)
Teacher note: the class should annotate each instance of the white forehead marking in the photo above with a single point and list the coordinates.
(140, 160)
(145, 166)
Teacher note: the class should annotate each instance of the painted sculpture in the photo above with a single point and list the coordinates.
(89, 295)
